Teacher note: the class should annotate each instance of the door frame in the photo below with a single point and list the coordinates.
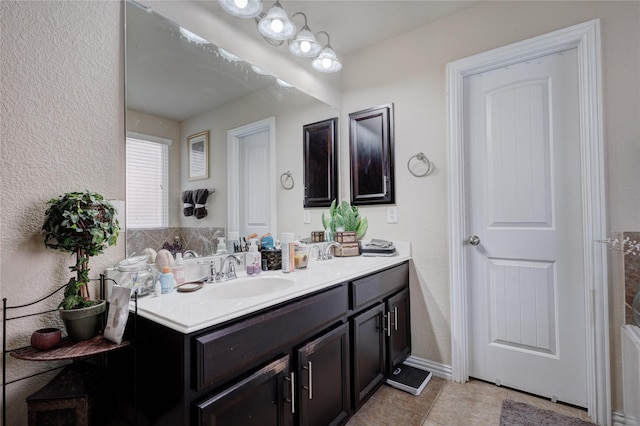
(586, 38)
(233, 170)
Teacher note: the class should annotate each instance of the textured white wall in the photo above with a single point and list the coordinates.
(62, 130)
(413, 77)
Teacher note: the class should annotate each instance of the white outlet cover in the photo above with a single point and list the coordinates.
(306, 216)
(392, 215)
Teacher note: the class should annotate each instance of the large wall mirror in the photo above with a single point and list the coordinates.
(178, 85)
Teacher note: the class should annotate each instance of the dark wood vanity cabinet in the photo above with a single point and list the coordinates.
(258, 400)
(311, 361)
(324, 379)
(381, 329)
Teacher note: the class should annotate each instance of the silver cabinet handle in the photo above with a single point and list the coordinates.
(310, 387)
(293, 392)
(388, 320)
(474, 240)
(395, 318)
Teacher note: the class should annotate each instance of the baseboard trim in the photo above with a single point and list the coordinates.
(618, 418)
(437, 369)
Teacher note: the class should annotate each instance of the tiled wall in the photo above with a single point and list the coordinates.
(190, 238)
(631, 278)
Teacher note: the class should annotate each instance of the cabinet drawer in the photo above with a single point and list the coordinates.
(225, 353)
(375, 287)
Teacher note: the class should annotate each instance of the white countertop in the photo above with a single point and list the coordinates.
(194, 311)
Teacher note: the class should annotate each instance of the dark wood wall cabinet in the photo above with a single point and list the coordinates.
(312, 361)
(320, 163)
(371, 137)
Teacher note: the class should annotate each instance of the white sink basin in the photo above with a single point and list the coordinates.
(241, 288)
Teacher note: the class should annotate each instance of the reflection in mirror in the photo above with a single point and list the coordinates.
(179, 85)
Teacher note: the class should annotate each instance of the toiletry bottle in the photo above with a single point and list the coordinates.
(167, 282)
(222, 246)
(253, 260)
(178, 269)
(288, 251)
(233, 243)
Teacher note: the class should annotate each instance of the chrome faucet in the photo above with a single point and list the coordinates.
(214, 276)
(190, 253)
(231, 267)
(327, 254)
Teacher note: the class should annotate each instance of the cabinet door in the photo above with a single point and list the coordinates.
(323, 371)
(399, 333)
(371, 149)
(368, 353)
(320, 163)
(262, 399)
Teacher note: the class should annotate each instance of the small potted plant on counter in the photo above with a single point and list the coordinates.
(83, 223)
(345, 217)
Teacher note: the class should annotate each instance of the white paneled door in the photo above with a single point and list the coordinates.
(251, 193)
(255, 195)
(525, 255)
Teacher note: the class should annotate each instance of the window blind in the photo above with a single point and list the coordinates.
(147, 182)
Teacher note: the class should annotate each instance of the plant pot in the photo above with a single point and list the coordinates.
(83, 323)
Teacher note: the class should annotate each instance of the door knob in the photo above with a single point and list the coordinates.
(474, 240)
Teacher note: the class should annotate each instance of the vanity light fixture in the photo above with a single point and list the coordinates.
(304, 44)
(228, 55)
(327, 61)
(242, 8)
(259, 70)
(276, 24)
(192, 37)
(283, 83)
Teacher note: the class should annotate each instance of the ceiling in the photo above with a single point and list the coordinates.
(354, 24)
(170, 78)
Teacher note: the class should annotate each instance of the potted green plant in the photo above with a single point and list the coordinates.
(83, 223)
(344, 217)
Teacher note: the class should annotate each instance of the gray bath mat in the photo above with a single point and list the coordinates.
(518, 414)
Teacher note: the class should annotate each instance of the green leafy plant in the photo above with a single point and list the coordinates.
(83, 223)
(345, 217)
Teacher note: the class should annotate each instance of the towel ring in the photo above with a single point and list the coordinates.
(286, 180)
(420, 157)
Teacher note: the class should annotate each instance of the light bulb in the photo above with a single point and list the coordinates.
(326, 62)
(305, 46)
(277, 25)
(241, 4)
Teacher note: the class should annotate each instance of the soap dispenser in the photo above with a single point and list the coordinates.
(253, 260)
(178, 270)
(222, 246)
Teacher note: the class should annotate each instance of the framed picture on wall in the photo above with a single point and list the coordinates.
(198, 155)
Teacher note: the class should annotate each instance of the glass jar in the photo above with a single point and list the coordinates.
(136, 274)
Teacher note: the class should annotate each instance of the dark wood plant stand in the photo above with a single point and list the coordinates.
(70, 394)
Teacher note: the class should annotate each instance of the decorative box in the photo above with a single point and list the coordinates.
(317, 236)
(273, 259)
(69, 399)
(348, 249)
(346, 237)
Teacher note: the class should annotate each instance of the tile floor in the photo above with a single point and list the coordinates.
(444, 403)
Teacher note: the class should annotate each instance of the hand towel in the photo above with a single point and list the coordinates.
(200, 199)
(187, 203)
